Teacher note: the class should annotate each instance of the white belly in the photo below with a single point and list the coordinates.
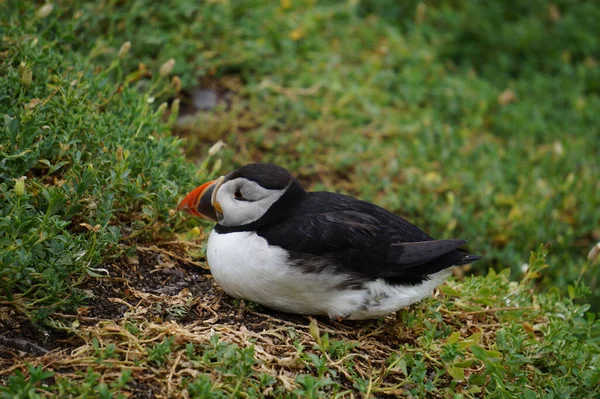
(246, 267)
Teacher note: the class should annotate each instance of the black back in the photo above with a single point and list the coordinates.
(362, 238)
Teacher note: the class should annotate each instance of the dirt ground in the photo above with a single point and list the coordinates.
(166, 294)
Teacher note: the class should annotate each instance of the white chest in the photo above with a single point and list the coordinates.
(246, 267)
(243, 263)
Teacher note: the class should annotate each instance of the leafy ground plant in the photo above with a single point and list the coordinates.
(85, 162)
(473, 120)
(104, 289)
(483, 337)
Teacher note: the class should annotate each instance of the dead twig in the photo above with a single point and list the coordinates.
(154, 248)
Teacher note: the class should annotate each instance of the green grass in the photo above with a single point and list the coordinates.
(97, 162)
(475, 121)
(400, 105)
(483, 337)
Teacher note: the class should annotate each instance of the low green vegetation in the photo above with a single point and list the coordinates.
(474, 120)
(85, 161)
(483, 337)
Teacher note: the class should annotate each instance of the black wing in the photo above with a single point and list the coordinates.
(363, 238)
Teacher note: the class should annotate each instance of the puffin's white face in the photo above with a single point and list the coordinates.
(241, 201)
(244, 196)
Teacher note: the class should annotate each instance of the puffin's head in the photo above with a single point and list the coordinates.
(243, 196)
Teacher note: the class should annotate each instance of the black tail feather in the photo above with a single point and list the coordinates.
(468, 259)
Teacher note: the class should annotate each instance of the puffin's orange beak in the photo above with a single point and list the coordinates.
(201, 202)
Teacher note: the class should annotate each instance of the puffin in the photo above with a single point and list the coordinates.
(316, 253)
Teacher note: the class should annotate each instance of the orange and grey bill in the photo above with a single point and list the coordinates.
(199, 201)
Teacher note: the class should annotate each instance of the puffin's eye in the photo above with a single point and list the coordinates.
(238, 195)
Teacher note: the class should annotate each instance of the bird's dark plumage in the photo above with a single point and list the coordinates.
(269, 176)
(355, 235)
(364, 238)
(317, 252)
